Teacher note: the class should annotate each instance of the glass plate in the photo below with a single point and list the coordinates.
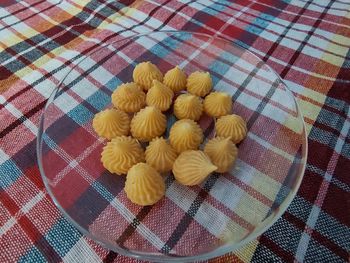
(190, 223)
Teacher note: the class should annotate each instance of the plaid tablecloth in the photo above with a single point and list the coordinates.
(307, 42)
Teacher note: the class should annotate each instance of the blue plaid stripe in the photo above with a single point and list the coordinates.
(62, 236)
(33, 256)
(9, 173)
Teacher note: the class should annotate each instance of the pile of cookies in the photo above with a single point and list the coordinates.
(139, 111)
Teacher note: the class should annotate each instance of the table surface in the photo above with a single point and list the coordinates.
(306, 42)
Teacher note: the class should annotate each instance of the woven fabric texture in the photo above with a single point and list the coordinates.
(306, 42)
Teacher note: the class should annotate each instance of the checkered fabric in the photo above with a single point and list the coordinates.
(307, 42)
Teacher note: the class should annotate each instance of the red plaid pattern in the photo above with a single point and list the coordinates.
(306, 42)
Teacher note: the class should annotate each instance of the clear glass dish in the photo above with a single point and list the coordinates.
(190, 223)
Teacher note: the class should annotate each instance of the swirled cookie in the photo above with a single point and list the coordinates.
(159, 96)
(160, 155)
(188, 106)
(192, 167)
(129, 97)
(120, 154)
(232, 126)
(199, 83)
(175, 79)
(111, 123)
(144, 185)
(148, 123)
(144, 73)
(185, 135)
(217, 104)
(222, 152)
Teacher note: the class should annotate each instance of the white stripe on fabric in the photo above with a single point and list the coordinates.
(212, 219)
(271, 147)
(45, 87)
(141, 228)
(229, 196)
(100, 74)
(65, 102)
(140, 16)
(11, 20)
(81, 252)
(7, 37)
(305, 236)
(3, 157)
(18, 114)
(7, 226)
(24, 210)
(85, 88)
(343, 133)
(74, 163)
(258, 180)
(31, 203)
(237, 199)
(55, 2)
(3, 13)
(121, 54)
(298, 89)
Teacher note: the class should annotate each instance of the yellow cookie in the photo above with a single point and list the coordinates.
(188, 106)
(160, 155)
(217, 104)
(175, 79)
(111, 123)
(192, 167)
(129, 97)
(144, 74)
(199, 83)
(232, 126)
(159, 96)
(144, 185)
(148, 123)
(120, 154)
(222, 152)
(185, 135)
